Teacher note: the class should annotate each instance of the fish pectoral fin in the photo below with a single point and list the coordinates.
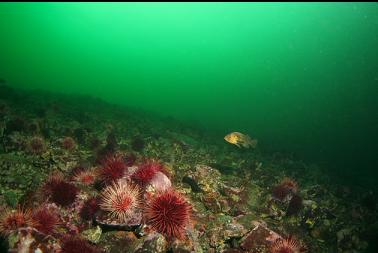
(240, 143)
(237, 144)
(246, 145)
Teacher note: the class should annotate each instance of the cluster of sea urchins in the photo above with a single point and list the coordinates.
(165, 210)
(125, 196)
(43, 219)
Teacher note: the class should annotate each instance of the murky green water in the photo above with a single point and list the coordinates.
(302, 78)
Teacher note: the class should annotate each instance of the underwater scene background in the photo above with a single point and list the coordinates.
(113, 119)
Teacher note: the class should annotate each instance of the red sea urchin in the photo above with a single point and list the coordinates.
(280, 192)
(295, 205)
(76, 170)
(168, 213)
(120, 199)
(60, 192)
(11, 220)
(90, 208)
(113, 168)
(75, 244)
(146, 172)
(86, 177)
(53, 179)
(68, 143)
(284, 188)
(287, 245)
(290, 184)
(36, 145)
(46, 221)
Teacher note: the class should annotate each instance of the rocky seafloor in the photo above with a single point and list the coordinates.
(64, 159)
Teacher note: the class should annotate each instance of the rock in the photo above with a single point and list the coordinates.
(259, 238)
(120, 241)
(348, 241)
(153, 242)
(341, 234)
(234, 230)
(29, 240)
(310, 204)
(212, 202)
(192, 183)
(233, 251)
(160, 182)
(224, 169)
(183, 140)
(209, 179)
(93, 235)
(189, 245)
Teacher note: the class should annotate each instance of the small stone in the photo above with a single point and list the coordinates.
(153, 242)
(327, 223)
(233, 230)
(93, 235)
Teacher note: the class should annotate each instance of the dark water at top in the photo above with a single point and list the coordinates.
(302, 78)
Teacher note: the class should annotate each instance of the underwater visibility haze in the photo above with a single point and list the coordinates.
(90, 90)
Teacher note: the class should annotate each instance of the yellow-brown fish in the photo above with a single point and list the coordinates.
(241, 140)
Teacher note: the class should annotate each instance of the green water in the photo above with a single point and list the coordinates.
(302, 78)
